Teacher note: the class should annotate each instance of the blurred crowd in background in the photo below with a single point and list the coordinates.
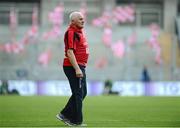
(130, 41)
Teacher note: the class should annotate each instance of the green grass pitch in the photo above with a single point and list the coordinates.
(99, 111)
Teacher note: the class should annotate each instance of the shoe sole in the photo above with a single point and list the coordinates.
(68, 124)
(65, 122)
(59, 118)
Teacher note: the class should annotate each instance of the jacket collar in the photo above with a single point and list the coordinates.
(71, 27)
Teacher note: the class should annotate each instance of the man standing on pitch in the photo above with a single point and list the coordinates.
(75, 61)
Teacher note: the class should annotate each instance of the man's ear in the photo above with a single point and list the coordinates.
(72, 21)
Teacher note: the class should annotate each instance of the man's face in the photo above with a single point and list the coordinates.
(79, 21)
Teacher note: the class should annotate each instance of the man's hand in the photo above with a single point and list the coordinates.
(79, 73)
(74, 63)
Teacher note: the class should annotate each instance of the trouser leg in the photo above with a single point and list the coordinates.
(73, 109)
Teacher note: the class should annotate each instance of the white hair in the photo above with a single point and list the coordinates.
(74, 14)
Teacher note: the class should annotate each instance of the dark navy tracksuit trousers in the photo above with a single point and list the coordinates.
(73, 108)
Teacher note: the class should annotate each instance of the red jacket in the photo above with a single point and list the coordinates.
(75, 39)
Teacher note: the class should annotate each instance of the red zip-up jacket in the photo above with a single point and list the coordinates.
(75, 39)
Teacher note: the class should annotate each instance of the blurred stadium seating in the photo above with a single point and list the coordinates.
(128, 68)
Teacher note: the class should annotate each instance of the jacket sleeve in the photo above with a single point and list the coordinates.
(70, 42)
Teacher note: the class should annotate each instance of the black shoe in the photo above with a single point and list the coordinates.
(62, 118)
